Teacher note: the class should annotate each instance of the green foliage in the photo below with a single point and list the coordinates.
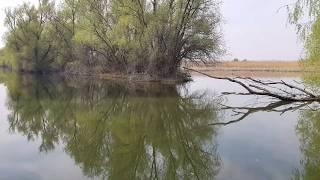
(7, 58)
(29, 36)
(126, 36)
(313, 44)
(305, 14)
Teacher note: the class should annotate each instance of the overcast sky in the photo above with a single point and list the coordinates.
(253, 29)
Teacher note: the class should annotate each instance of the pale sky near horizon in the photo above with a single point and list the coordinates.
(253, 29)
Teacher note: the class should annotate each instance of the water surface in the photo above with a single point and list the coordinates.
(55, 128)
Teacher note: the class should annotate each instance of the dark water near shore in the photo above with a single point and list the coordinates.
(90, 129)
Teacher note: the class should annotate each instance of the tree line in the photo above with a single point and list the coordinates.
(149, 37)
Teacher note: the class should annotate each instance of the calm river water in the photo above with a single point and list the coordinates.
(85, 129)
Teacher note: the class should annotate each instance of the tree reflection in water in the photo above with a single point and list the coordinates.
(308, 130)
(118, 130)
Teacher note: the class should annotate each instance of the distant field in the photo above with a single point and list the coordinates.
(262, 64)
(253, 65)
(251, 68)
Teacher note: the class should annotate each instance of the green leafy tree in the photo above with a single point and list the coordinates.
(29, 38)
(123, 36)
(155, 36)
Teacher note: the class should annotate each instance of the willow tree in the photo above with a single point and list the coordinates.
(305, 14)
(153, 37)
(29, 35)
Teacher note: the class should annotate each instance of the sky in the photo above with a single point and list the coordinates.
(253, 29)
(256, 30)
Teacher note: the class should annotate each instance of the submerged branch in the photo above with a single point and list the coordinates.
(243, 112)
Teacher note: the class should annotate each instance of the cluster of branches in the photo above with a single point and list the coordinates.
(285, 96)
(279, 90)
(131, 36)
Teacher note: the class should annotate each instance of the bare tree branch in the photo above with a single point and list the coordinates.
(269, 88)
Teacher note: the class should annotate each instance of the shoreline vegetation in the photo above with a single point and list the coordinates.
(136, 39)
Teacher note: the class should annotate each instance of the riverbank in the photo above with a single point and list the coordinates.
(180, 77)
(224, 69)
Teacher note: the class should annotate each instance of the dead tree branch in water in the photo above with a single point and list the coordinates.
(280, 90)
(290, 97)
